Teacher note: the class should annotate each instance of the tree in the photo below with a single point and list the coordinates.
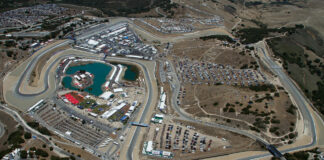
(27, 135)
(10, 43)
(23, 154)
(41, 152)
(31, 154)
(33, 149)
(9, 53)
(231, 110)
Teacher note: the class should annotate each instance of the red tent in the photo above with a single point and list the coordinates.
(70, 98)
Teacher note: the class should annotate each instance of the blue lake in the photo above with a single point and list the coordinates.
(100, 72)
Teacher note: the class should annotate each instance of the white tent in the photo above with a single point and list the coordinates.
(149, 146)
(93, 42)
(105, 95)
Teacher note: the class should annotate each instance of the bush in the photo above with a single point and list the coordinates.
(9, 53)
(262, 88)
(291, 109)
(301, 155)
(32, 148)
(15, 138)
(231, 110)
(219, 37)
(58, 158)
(23, 154)
(45, 131)
(273, 129)
(292, 135)
(41, 153)
(33, 124)
(276, 94)
(27, 135)
(275, 121)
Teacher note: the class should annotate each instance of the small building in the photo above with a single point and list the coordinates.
(158, 118)
(166, 154)
(68, 133)
(106, 95)
(77, 77)
(93, 114)
(149, 147)
(93, 42)
(118, 90)
(125, 117)
(83, 76)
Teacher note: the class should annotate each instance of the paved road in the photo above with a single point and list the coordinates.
(2, 131)
(301, 101)
(34, 132)
(184, 116)
(148, 80)
(30, 67)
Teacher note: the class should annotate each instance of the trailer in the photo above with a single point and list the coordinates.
(35, 106)
(139, 124)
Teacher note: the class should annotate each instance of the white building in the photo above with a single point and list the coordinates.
(112, 111)
(106, 95)
(118, 90)
(93, 42)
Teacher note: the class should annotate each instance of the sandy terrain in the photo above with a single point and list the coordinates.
(212, 51)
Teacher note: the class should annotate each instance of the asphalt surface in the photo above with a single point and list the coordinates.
(184, 116)
(300, 100)
(143, 116)
(1, 129)
(289, 85)
(30, 67)
(32, 64)
(34, 132)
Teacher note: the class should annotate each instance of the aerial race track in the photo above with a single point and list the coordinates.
(22, 100)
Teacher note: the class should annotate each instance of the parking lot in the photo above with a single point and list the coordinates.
(31, 15)
(183, 140)
(196, 72)
(180, 25)
(70, 126)
(113, 40)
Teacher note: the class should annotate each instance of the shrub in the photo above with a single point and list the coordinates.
(275, 121)
(23, 154)
(33, 124)
(41, 153)
(15, 138)
(276, 94)
(44, 130)
(231, 110)
(27, 135)
(291, 135)
(291, 109)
